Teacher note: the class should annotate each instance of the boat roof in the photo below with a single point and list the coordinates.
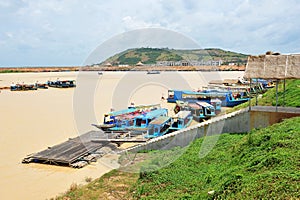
(215, 100)
(160, 120)
(182, 114)
(152, 114)
(204, 104)
(147, 106)
(194, 105)
(188, 92)
(121, 112)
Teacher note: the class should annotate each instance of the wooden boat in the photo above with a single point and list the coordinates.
(229, 99)
(181, 120)
(122, 119)
(217, 104)
(153, 72)
(186, 95)
(142, 121)
(62, 84)
(158, 126)
(41, 85)
(200, 110)
(22, 87)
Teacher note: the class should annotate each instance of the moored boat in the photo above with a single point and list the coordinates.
(159, 126)
(62, 84)
(186, 95)
(122, 119)
(142, 121)
(153, 72)
(181, 120)
(200, 110)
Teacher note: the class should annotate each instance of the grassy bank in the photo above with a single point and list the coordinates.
(263, 164)
(291, 96)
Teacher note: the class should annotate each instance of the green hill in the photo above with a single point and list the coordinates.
(153, 55)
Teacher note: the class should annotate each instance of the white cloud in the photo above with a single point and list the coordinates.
(54, 27)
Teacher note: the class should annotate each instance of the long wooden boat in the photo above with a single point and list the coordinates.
(62, 84)
(159, 126)
(228, 99)
(122, 119)
(22, 87)
(186, 95)
(142, 121)
(181, 120)
(199, 110)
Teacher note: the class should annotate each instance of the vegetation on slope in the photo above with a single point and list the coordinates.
(262, 164)
(152, 55)
(291, 96)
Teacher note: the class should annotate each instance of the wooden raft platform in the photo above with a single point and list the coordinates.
(76, 152)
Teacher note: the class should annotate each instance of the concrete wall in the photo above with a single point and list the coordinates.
(237, 122)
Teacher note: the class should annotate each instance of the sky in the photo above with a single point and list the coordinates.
(66, 32)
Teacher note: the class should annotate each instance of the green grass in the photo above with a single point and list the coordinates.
(290, 98)
(262, 164)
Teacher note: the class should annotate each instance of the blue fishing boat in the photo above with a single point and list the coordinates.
(159, 126)
(142, 121)
(199, 110)
(181, 120)
(217, 104)
(228, 99)
(186, 95)
(122, 119)
(116, 119)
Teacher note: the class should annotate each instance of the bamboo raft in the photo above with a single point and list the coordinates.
(76, 152)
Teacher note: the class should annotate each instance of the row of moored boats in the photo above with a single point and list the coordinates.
(153, 121)
(37, 85)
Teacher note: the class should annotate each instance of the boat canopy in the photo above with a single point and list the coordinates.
(160, 120)
(152, 114)
(183, 114)
(121, 112)
(204, 104)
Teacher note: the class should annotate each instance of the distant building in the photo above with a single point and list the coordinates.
(139, 64)
(190, 63)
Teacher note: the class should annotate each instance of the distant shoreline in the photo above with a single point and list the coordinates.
(123, 68)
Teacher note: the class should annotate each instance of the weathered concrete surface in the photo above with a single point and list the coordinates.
(237, 122)
(263, 116)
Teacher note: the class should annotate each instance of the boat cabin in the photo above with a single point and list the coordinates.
(159, 126)
(143, 120)
(186, 95)
(200, 110)
(181, 120)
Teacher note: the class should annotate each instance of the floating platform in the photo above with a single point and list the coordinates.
(76, 152)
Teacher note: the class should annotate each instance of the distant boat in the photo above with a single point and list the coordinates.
(22, 87)
(100, 73)
(187, 95)
(62, 84)
(153, 72)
